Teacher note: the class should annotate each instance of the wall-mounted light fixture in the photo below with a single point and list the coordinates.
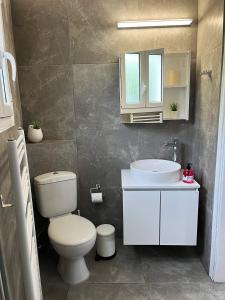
(154, 23)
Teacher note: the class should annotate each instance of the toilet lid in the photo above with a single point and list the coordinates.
(71, 230)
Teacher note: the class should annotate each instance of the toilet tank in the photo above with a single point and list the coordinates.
(56, 193)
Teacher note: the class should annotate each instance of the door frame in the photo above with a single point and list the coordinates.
(217, 259)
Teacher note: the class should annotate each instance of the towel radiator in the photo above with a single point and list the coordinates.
(25, 216)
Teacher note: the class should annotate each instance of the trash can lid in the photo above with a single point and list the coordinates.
(105, 229)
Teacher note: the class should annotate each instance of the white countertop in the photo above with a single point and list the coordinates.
(130, 181)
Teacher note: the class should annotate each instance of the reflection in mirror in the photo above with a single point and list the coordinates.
(132, 78)
(155, 78)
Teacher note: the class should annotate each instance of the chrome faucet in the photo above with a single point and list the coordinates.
(174, 144)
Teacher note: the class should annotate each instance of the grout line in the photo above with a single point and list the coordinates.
(66, 65)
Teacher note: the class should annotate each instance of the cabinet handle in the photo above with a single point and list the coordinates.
(3, 204)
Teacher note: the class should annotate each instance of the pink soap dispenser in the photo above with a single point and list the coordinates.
(188, 175)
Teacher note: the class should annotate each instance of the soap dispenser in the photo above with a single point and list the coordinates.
(188, 174)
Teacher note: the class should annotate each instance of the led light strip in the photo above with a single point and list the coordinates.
(154, 23)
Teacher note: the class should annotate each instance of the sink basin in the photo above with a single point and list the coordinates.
(156, 170)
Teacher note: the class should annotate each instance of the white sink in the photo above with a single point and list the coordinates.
(156, 170)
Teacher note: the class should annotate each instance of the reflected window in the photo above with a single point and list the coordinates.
(155, 78)
(132, 78)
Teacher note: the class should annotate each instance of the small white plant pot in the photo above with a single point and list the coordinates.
(34, 135)
(174, 114)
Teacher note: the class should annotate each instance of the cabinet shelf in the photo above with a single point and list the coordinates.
(177, 86)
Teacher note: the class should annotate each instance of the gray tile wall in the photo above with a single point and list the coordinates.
(8, 235)
(68, 56)
(210, 40)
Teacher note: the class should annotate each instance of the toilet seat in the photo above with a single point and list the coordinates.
(71, 230)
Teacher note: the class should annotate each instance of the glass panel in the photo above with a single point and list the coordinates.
(132, 77)
(155, 78)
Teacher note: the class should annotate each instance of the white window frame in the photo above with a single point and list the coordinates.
(144, 75)
(147, 54)
(124, 104)
(6, 104)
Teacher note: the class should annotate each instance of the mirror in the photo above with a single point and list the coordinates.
(155, 78)
(141, 79)
(132, 77)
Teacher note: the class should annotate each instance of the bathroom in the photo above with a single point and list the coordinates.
(68, 78)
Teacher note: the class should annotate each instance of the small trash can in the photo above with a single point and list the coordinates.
(105, 242)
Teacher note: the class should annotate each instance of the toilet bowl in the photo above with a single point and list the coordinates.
(71, 236)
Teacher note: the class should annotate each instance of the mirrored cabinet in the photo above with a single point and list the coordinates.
(141, 86)
(154, 86)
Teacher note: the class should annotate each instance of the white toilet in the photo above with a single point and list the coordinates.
(71, 236)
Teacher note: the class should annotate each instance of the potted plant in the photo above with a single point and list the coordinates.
(174, 110)
(35, 134)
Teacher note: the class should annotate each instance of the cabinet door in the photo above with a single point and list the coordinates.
(179, 217)
(154, 77)
(130, 80)
(141, 210)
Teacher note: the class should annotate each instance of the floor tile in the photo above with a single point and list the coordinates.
(108, 292)
(180, 292)
(48, 267)
(148, 253)
(53, 287)
(217, 290)
(174, 271)
(126, 267)
(55, 291)
(136, 273)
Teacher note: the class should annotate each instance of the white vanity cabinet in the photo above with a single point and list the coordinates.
(141, 214)
(179, 217)
(164, 214)
(160, 217)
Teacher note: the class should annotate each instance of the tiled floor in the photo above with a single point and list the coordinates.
(136, 273)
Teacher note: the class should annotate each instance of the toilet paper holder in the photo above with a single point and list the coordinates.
(96, 194)
(96, 189)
